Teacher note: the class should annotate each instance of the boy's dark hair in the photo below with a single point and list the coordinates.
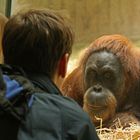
(36, 40)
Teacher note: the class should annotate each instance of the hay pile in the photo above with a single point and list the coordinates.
(128, 133)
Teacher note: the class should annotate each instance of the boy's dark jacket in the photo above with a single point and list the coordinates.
(37, 111)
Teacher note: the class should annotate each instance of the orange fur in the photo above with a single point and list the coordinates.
(129, 57)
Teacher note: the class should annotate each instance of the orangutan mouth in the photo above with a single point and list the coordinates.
(94, 108)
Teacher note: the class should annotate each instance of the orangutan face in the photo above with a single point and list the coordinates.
(104, 85)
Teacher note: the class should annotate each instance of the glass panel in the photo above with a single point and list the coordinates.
(93, 18)
(2, 6)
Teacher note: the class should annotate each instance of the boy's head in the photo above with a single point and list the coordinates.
(37, 40)
(3, 21)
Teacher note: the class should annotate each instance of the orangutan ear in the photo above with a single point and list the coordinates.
(63, 65)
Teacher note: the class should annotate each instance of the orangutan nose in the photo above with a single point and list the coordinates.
(97, 88)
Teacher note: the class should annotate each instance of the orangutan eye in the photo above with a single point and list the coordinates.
(91, 73)
(107, 75)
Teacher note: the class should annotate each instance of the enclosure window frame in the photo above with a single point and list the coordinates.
(8, 8)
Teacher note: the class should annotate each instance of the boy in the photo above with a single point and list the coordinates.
(40, 43)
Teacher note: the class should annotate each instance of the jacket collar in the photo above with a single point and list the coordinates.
(43, 82)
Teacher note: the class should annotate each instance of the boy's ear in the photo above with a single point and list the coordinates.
(63, 65)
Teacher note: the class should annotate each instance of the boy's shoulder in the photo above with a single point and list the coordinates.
(55, 117)
(64, 105)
